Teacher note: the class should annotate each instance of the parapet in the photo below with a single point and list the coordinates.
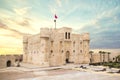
(44, 32)
(65, 29)
(44, 29)
(86, 36)
(25, 38)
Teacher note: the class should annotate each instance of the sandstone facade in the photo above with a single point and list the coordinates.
(55, 47)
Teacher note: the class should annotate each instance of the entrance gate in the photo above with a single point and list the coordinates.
(8, 63)
(67, 56)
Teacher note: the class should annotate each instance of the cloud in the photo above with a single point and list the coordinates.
(103, 37)
(11, 35)
(59, 2)
(100, 18)
(2, 25)
(10, 42)
(104, 29)
(25, 22)
(15, 33)
(16, 22)
(52, 9)
(109, 13)
(21, 11)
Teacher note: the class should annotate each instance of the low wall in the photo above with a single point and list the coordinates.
(9, 60)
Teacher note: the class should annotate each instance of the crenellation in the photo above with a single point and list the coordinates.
(86, 36)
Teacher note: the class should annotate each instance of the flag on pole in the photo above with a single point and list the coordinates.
(55, 16)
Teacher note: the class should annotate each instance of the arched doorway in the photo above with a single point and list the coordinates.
(8, 63)
(51, 55)
(67, 56)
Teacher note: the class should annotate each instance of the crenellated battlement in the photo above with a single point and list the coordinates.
(6, 55)
(64, 29)
(25, 38)
(86, 36)
(44, 32)
(44, 29)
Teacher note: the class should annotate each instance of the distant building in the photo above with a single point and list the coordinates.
(96, 57)
(54, 47)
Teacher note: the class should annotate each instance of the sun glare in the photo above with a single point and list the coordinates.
(7, 51)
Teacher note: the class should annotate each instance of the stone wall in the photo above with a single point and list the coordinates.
(8, 58)
(96, 57)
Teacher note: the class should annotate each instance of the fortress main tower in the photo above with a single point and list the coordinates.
(55, 47)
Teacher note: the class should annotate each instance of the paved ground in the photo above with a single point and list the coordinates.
(67, 72)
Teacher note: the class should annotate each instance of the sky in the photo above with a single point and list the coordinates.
(100, 18)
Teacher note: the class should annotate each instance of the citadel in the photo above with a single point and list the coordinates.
(55, 47)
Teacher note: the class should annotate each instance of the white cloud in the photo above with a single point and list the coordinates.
(108, 13)
(116, 20)
(21, 11)
(59, 3)
(53, 10)
(66, 1)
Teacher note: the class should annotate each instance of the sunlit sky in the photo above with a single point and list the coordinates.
(100, 18)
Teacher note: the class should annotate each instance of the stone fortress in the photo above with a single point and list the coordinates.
(55, 47)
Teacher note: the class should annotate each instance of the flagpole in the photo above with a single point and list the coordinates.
(55, 20)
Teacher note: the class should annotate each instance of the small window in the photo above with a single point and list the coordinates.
(74, 44)
(16, 60)
(51, 51)
(62, 51)
(60, 43)
(73, 50)
(80, 51)
(81, 42)
(25, 47)
(66, 35)
(51, 43)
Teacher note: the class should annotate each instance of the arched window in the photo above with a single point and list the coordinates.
(74, 44)
(60, 44)
(65, 35)
(68, 35)
(51, 51)
(73, 50)
(80, 42)
(51, 43)
(62, 51)
(80, 51)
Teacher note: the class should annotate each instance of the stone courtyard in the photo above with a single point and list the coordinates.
(65, 72)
